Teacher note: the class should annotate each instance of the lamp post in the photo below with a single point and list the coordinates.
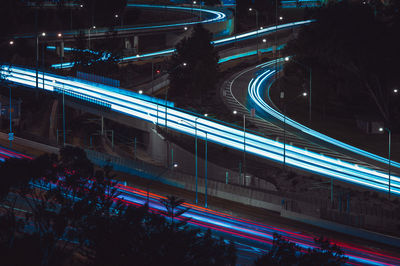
(244, 149)
(91, 28)
(10, 135)
(282, 96)
(196, 156)
(60, 36)
(390, 142)
(172, 166)
(310, 85)
(251, 9)
(43, 34)
(184, 64)
(244, 145)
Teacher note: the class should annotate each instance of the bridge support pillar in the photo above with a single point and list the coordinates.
(127, 43)
(157, 146)
(136, 43)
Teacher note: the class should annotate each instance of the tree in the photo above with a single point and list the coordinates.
(284, 252)
(174, 208)
(346, 48)
(200, 73)
(71, 209)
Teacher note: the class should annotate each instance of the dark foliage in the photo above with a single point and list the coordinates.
(284, 252)
(200, 75)
(357, 53)
(69, 209)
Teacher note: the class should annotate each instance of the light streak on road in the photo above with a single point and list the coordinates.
(213, 16)
(256, 90)
(223, 41)
(243, 231)
(8, 154)
(249, 236)
(154, 110)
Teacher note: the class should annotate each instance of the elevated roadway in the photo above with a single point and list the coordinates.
(153, 111)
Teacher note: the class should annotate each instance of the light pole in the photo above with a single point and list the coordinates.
(172, 166)
(244, 149)
(282, 96)
(184, 64)
(59, 35)
(196, 156)
(43, 34)
(201, 3)
(251, 9)
(390, 143)
(10, 135)
(91, 28)
(244, 146)
(310, 85)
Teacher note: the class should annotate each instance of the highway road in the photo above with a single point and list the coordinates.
(251, 238)
(208, 16)
(8, 154)
(155, 111)
(254, 34)
(249, 88)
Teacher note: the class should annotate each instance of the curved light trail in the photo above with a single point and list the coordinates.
(240, 37)
(164, 114)
(256, 90)
(211, 16)
(154, 110)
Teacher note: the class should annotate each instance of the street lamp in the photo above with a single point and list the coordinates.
(10, 135)
(91, 28)
(59, 35)
(196, 156)
(11, 42)
(172, 166)
(282, 96)
(43, 34)
(287, 59)
(244, 146)
(251, 9)
(381, 129)
(184, 64)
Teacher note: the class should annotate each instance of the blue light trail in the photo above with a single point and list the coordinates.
(153, 110)
(256, 91)
(224, 41)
